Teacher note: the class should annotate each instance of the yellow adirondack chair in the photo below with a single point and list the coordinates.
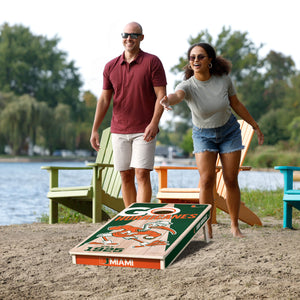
(191, 195)
(89, 200)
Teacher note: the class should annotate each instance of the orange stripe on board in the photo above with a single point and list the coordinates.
(118, 262)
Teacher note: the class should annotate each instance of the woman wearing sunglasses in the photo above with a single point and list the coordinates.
(211, 96)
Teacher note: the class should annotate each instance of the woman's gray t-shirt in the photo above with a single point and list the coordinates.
(208, 100)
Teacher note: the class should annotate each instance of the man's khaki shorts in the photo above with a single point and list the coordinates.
(132, 151)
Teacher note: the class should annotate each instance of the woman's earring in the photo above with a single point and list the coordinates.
(190, 67)
(210, 65)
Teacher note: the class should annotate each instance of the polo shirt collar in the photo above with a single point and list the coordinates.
(136, 60)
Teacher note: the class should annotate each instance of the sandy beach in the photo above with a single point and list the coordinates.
(35, 264)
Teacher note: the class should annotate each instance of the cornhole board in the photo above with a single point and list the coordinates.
(144, 235)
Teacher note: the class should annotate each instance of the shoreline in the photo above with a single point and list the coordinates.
(20, 159)
(177, 161)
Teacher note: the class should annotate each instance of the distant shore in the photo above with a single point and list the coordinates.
(158, 160)
(19, 159)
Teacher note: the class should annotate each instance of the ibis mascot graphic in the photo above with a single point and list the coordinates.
(129, 232)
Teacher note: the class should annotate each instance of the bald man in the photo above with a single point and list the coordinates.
(136, 81)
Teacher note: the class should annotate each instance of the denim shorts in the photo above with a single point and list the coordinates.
(224, 139)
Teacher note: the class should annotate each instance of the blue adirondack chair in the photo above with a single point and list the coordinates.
(291, 196)
(89, 200)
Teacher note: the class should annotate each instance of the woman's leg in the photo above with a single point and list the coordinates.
(230, 164)
(206, 163)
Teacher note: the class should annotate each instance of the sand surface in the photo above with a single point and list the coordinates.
(35, 264)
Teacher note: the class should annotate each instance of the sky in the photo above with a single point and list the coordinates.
(90, 30)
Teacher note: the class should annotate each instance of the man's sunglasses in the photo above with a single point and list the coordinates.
(132, 35)
(199, 57)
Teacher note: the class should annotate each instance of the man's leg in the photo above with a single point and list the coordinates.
(143, 162)
(122, 149)
(144, 185)
(128, 187)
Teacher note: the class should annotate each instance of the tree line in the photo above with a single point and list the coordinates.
(41, 100)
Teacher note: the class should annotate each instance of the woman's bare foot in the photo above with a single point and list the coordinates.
(236, 232)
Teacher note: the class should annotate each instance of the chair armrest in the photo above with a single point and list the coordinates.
(287, 168)
(163, 173)
(287, 172)
(175, 168)
(245, 168)
(54, 171)
(50, 168)
(100, 165)
(97, 170)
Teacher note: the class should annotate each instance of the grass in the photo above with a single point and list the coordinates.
(263, 203)
(270, 156)
(66, 215)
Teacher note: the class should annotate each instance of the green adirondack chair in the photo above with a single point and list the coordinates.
(89, 200)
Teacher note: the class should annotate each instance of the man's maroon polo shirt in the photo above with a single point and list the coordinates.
(134, 96)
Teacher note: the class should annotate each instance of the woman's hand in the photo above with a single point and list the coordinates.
(260, 136)
(165, 103)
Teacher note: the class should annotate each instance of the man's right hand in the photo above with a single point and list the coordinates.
(94, 140)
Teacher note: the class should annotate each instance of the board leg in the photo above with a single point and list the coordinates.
(205, 232)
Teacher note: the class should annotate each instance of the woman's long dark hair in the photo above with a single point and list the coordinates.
(220, 65)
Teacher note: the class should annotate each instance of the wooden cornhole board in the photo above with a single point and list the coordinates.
(144, 235)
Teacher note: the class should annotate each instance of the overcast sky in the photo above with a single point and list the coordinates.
(90, 30)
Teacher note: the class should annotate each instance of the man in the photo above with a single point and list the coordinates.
(137, 82)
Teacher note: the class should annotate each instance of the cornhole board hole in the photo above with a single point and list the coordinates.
(144, 235)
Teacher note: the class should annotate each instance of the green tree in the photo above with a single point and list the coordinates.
(19, 121)
(83, 129)
(273, 125)
(34, 65)
(294, 129)
(278, 66)
(279, 69)
(64, 129)
(291, 100)
(251, 91)
(187, 142)
(241, 51)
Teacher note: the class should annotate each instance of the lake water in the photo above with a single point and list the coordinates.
(24, 186)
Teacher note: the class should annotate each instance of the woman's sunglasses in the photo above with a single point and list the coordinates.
(199, 57)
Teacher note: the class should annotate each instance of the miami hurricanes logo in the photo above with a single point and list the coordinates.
(138, 234)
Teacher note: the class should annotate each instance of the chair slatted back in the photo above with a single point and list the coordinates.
(111, 179)
(247, 134)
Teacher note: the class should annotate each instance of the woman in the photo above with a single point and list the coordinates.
(210, 95)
